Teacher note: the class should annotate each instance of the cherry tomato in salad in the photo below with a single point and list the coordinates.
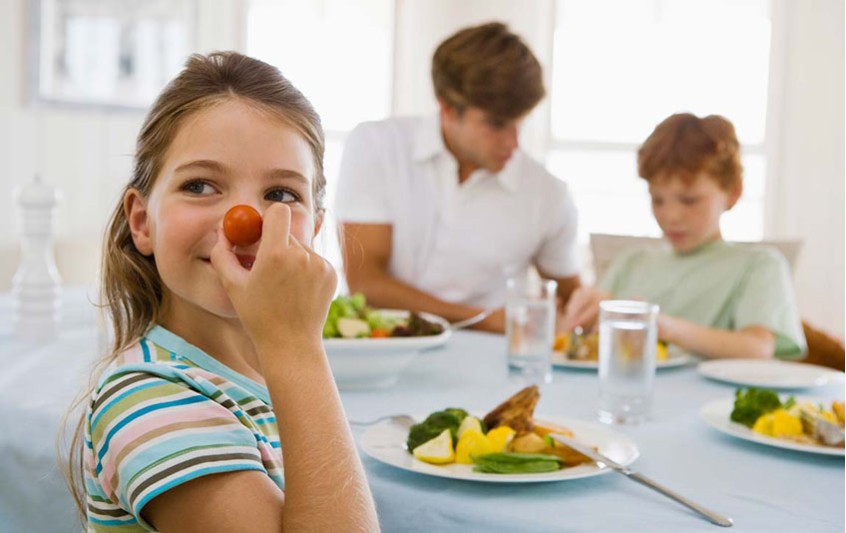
(379, 333)
(242, 225)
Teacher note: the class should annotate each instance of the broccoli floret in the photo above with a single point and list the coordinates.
(434, 424)
(752, 403)
(358, 301)
(460, 414)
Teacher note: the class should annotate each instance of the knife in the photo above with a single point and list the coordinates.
(716, 518)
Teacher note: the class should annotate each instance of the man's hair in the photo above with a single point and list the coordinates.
(490, 68)
(684, 146)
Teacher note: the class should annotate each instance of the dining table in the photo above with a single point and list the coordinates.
(761, 487)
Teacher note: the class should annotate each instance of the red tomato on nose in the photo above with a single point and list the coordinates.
(242, 225)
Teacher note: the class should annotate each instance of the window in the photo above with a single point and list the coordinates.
(346, 73)
(622, 66)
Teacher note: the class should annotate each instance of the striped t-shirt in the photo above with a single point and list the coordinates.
(162, 414)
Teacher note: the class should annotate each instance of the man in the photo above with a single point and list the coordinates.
(436, 213)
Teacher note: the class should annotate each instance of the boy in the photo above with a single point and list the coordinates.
(716, 300)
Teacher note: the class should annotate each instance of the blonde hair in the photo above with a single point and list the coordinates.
(131, 289)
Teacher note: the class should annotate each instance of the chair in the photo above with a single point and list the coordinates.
(823, 349)
(605, 247)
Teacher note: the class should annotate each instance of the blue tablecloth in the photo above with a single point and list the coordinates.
(761, 488)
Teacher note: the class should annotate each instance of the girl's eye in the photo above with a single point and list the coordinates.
(198, 187)
(690, 200)
(657, 201)
(282, 195)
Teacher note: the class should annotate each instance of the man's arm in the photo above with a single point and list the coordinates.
(367, 251)
(566, 287)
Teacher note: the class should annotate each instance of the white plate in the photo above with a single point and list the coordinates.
(717, 414)
(770, 373)
(360, 364)
(675, 357)
(385, 442)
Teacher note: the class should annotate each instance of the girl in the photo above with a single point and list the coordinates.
(217, 363)
(716, 300)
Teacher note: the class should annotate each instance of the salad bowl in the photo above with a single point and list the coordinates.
(372, 363)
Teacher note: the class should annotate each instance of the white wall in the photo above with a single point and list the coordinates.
(87, 153)
(809, 200)
(422, 25)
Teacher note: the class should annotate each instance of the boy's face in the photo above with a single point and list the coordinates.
(689, 213)
(478, 139)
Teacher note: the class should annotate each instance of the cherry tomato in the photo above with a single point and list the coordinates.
(379, 334)
(242, 225)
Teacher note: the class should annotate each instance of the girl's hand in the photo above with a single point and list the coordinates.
(583, 308)
(285, 297)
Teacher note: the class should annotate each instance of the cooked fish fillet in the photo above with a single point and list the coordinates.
(516, 412)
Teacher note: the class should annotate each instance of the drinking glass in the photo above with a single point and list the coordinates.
(530, 327)
(627, 341)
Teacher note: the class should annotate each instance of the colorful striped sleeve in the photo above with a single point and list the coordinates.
(150, 433)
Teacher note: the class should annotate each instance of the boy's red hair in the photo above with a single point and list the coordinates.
(685, 146)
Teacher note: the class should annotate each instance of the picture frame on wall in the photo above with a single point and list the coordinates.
(107, 53)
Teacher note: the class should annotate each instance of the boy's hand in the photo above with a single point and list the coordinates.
(285, 297)
(583, 308)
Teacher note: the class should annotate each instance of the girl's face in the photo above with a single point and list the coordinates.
(222, 156)
(689, 214)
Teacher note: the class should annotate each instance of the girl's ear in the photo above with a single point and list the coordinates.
(135, 210)
(734, 196)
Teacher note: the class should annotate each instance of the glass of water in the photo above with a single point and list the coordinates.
(530, 327)
(627, 341)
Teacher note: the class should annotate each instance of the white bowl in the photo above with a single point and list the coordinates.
(377, 363)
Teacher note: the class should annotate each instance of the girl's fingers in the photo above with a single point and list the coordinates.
(226, 263)
(276, 227)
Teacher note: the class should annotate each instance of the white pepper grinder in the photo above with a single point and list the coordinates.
(37, 286)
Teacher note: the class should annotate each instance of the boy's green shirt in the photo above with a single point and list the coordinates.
(717, 285)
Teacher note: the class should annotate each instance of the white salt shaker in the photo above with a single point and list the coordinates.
(36, 286)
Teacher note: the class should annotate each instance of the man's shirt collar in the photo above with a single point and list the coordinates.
(429, 143)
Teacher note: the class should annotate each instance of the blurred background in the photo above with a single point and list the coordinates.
(77, 76)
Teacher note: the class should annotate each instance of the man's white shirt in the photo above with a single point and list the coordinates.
(458, 242)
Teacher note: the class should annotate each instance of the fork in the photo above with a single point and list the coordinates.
(576, 339)
(405, 421)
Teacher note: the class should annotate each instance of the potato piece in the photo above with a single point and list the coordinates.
(837, 407)
(529, 443)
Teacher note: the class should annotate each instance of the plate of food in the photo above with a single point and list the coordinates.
(585, 353)
(368, 348)
(507, 445)
(770, 373)
(762, 416)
